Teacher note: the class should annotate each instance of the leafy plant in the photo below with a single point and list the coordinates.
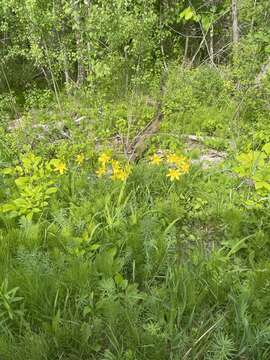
(10, 305)
(34, 183)
(254, 166)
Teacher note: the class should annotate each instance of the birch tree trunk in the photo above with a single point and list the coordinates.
(235, 27)
(211, 45)
(80, 65)
(79, 24)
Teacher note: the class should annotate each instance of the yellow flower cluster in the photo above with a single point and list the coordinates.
(59, 166)
(178, 164)
(109, 165)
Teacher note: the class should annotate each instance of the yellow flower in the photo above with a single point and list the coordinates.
(104, 159)
(115, 166)
(121, 174)
(101, 171)
(174, 174)
(61, 167)
(185, 167)
(175, 159)
(80, 159)
(155, 159)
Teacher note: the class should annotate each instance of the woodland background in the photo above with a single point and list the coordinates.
(134, 179)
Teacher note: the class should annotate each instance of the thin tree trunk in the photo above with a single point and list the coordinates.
(235, 27)
(81, 73)
(185, 59)
(211, 46)
(80, 65)
(65, 61)
(66, 76)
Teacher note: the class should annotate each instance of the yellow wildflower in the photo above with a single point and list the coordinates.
(115, 166)
(101, 171)
(104, 158)
(80, 159)
(155, 159)
(121, 174)
(175, 159)
(185, 167)
(174, 174)
(61, 167)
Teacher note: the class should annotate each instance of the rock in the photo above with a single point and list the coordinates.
(209, 157)
(15, 124)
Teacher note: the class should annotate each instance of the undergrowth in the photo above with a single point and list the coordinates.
(159, 259)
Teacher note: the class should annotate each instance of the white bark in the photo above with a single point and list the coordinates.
(235, 26)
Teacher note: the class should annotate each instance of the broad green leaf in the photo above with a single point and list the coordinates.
(8, 171)
(51, 190)
(266, 148)
(8, 207)
(187, 14)
(22, 181)
(206, 22)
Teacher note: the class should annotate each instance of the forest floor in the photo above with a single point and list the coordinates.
(129, 235)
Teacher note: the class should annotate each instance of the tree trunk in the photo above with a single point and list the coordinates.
(235, 27)
(211, 45)
(81, 73)
(80, 65)
(185, 58)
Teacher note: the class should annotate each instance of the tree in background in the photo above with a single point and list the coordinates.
(70, 42)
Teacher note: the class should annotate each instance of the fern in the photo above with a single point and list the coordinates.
(222, 348)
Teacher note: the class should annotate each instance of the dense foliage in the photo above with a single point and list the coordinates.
(134, 180)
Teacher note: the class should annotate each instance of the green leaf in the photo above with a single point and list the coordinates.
(22, 181)
(266, 149)
(21, 203)
(7, 207)
(187, 14)
(267, 49)
(8, 171)
(206, 22)
(262, 185)
(51, 190)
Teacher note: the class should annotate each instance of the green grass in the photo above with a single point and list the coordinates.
(143, 269)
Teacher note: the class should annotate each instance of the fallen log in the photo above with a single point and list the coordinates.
(139, 144)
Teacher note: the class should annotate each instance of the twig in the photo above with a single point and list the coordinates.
(201, 337)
